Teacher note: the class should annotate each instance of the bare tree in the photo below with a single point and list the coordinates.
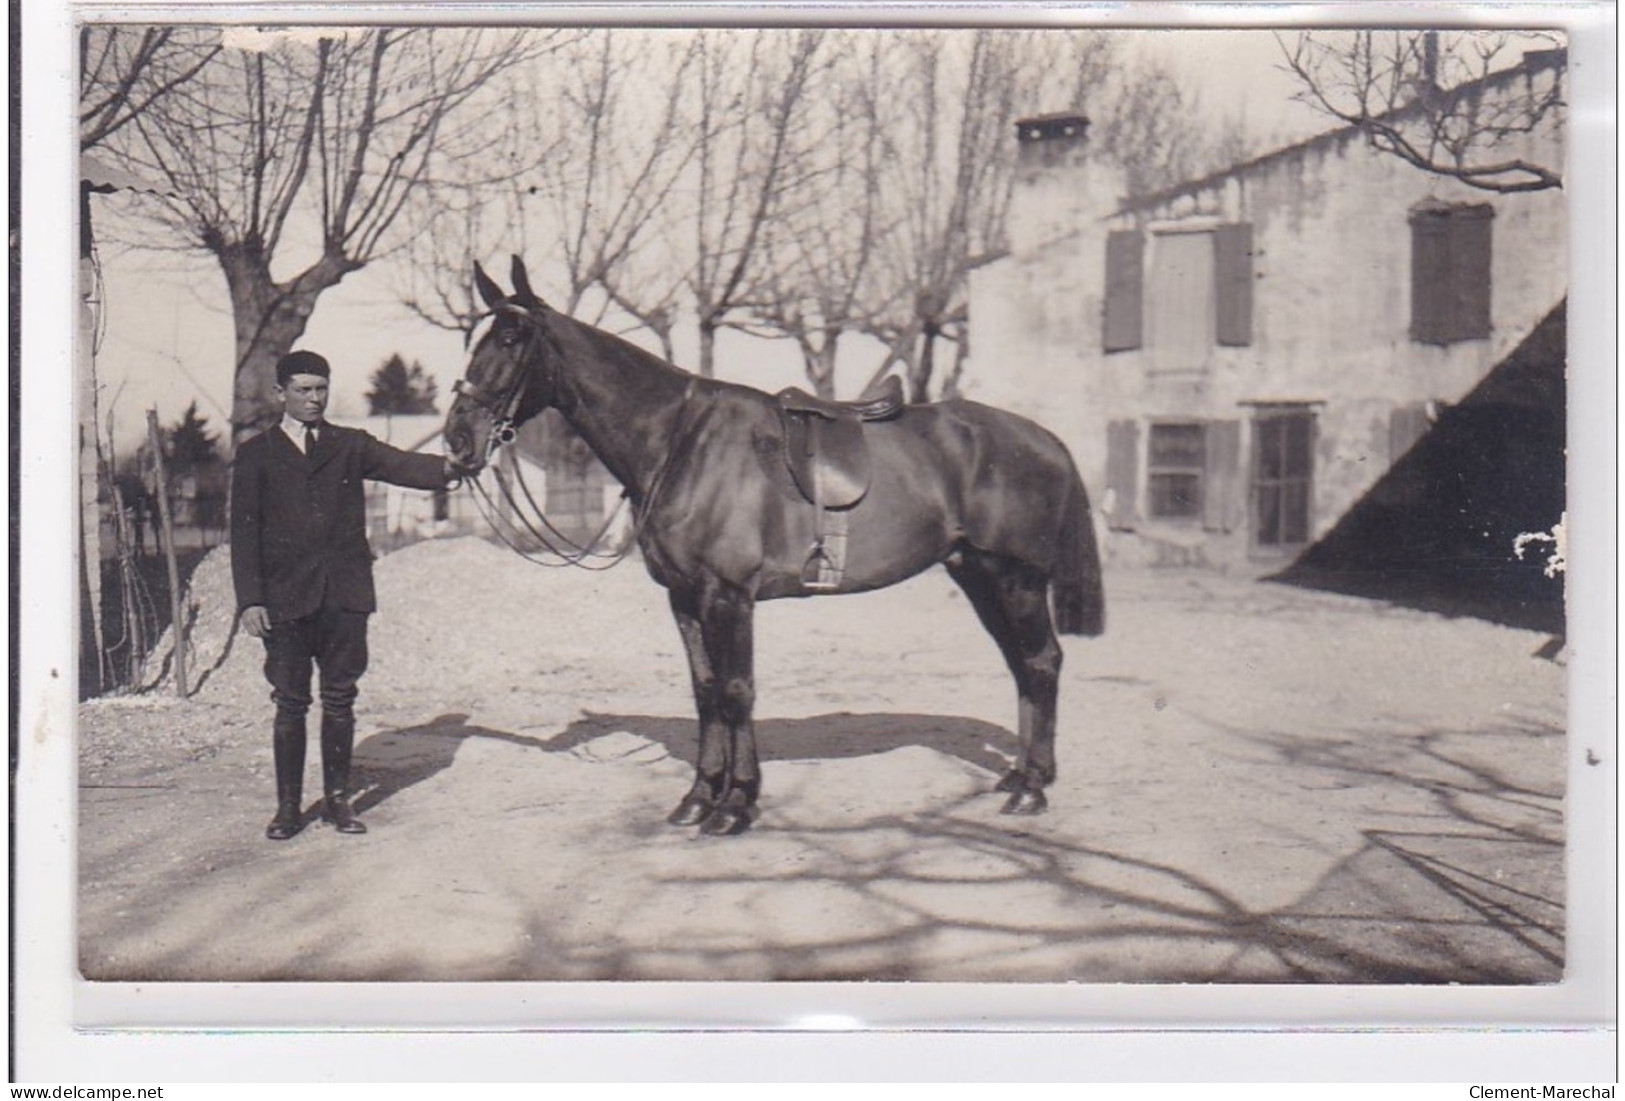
(296, 152)
(752, 92)
(815, 283)
(122, 74)
(1150, 126)
(625, 161)
(585, 189)
(945, 123)
(1450, 103)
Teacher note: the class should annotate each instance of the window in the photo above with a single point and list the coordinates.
(1176, 457)
(1193, 470)
(1197, 294)
(1283, 467)
(1179, 310)
(1450, 272)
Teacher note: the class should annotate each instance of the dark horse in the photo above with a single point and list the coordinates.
(994, 497)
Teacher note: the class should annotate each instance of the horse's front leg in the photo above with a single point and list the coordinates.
(710, 762)
(727, 625)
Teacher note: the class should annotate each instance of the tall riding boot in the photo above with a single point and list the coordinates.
(338, 738)
(288, 751)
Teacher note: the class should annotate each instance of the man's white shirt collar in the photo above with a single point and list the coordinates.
(294, 429)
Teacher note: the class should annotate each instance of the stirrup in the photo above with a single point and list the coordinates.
(820, 574)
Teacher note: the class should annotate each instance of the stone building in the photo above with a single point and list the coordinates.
(1237, 361)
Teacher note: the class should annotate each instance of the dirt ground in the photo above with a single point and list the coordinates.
(1257, 784)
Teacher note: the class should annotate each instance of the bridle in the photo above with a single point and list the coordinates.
(503, 409)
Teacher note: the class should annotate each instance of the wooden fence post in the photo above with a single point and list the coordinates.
(169, 553)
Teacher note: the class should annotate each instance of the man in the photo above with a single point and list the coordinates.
(303, 574)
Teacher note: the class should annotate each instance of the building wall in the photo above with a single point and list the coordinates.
(1330, 318)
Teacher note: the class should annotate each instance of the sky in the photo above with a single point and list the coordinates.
(166, 336)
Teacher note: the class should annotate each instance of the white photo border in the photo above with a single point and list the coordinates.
(68, 1029)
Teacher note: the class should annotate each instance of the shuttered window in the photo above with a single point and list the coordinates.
(1122, 328)
(1196, 293)
(1450, 272)
(1180, 309)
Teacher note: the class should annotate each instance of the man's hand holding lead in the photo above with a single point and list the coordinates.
(256, 621)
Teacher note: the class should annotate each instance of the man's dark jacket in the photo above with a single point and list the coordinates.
(299, 523)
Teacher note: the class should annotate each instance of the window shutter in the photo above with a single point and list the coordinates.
(1125, 282)
(1122, 472)
(1406, 425)
(1233, 283)
(1450, 273)
(1430, 276)
(1221, 501)
(1470, 255)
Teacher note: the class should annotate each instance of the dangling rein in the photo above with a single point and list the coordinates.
(591, 556)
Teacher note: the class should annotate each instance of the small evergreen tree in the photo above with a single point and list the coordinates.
(191, 445)
(399, 390)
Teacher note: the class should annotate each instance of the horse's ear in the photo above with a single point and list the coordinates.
(487, 288)
(521, 284)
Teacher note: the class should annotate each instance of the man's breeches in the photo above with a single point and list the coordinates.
(333, 641)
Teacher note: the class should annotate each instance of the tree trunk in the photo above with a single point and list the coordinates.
(820, 363)
(269, 318)
(708, 348)
(919, 377)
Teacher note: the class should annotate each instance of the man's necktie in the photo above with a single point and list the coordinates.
(310, 438)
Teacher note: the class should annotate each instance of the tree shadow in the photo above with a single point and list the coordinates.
(1467, 889)
(1476, 899)
(831, 736)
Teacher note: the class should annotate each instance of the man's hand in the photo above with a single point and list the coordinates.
(256, 621)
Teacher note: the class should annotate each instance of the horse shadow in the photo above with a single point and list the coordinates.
(391, 761)
(830, 736)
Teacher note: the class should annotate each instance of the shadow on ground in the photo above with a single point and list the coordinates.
(831, 736)
(1470, 890)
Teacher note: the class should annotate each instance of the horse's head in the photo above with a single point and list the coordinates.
(508, 378)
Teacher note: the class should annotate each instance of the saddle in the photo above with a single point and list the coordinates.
(828, 457)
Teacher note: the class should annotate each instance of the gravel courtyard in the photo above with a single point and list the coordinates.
(1257, 784)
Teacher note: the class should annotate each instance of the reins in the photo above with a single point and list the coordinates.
(565, 551)
(589, 557)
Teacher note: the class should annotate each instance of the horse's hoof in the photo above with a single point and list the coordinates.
(728, 821)
(1025, 802)
(1011, 781)
(690, 812)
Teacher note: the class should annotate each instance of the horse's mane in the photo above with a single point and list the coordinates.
(607, 343)
(610, 345)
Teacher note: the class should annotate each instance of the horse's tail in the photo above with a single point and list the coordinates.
(1079, 596)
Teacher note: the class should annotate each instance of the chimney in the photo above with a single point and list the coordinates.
(1047, 140)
